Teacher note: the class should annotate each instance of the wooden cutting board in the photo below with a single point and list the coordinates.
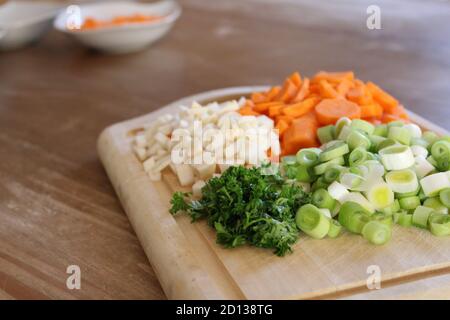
(190, 265)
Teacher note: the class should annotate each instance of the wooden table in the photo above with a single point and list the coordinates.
(57, 207)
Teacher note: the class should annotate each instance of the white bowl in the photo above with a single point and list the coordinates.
(124, 38)
(24, 22)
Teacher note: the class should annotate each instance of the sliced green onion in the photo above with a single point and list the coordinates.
(385, 143)
(443, 163)
(337, 191)
(360, 199)
(444, 196)
(289, 160)
(381, 130)
(382, 218)
(363, 125)
(375, 141)
(332, 173)
(335, 229)
(376, 232)
(340, 124)
(353, 216)
(319, 184)
(393, 208)
(397, 157)
(419, 142)
(326, 212)
(380, 195)
(430, 137)
(404, 219)
(357, 139)
(419, 151)
(440, 148)
(311, 221)
(322, 199)
(409, 203)
(326, 134)
(407, 194)
(420, 216)
(400, 134)
(436, 204)
(357, 156)
(344, 133)
(321, 168)
(402, 181)
(422, 167)
(422, 195)
(351, 181)
(434, 183)
(439, 224)
(304, 174)
(395, 124)
(432, 161)
(335, 151)
(414, 130)
(336, 209)
(308, 157)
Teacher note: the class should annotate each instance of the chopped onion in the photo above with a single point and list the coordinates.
(380, 195)
(337, 191)
(312, 221)
(402, 181)
(422, 167)
(359, 199)
(432, 184)
(397, 157)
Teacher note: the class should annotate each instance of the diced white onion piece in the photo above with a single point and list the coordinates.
(205, 171)
(197, 188)
(422, 167)
(337, 191)
(185, 174)
(162, 163)
(149, 164)
(325, 212)
(397, 157)
(140, 140)
(402, 181)
(380, 195)
(432, 184)
(141, 153)
(359, 199)
(414, 130)
(419, 151)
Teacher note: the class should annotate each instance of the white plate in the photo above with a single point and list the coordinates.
(119, 39)
(24, 22)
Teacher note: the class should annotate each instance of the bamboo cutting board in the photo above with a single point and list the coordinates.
(190, 265)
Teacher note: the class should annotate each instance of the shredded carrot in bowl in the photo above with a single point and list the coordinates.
(91, 23)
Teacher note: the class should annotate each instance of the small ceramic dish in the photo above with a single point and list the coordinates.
(122, 38)
(24, 22)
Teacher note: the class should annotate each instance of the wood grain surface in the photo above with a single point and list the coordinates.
(57, 207)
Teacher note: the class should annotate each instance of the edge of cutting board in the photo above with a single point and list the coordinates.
(184, 273)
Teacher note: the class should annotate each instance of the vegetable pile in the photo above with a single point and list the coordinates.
(365, 178)
(245, 205)
(300, 106)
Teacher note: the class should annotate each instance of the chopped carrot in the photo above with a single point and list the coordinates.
(281, 126)
(371, 110)
(334, 77)
(302, 92)
(301, 134)
(298, 109)
(247, 111)
(296, 79)
(387, 101)
(258, 97)
(328, 111)
(287, 92)
(272, 93)
(285, 118)
(326, 90)
(275, 110)
(360, 95)
(400, 112)
(264, 107)
(343, 87)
